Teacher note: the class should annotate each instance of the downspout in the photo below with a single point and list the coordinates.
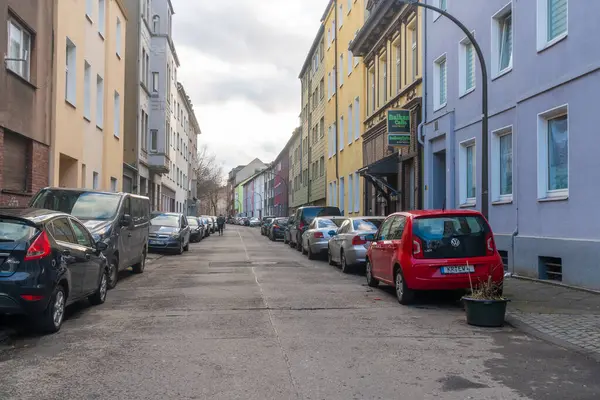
(515, 202)
(52, 116)
(337, 95)
(309, 123)
(420, 136)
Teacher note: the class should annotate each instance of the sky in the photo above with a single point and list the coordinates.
(240, 61)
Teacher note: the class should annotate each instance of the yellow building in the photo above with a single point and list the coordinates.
(344, 75)
(390, 46)
(88, 81)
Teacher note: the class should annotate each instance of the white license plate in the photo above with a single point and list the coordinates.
(462, 269)
(157, 242)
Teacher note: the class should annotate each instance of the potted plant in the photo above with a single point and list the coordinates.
(485, 306)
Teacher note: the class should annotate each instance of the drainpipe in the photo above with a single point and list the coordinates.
(337, 95)
(420, 135)
(515, 202)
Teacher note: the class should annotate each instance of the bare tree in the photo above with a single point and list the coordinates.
(209, 178)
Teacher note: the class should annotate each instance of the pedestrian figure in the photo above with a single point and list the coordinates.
(221, 224)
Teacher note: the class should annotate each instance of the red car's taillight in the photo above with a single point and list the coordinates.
(318, 235)
(417, 248)
(490, 246)
(358, 240)
(40, 248)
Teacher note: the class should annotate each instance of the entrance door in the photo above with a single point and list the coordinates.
(439, 180)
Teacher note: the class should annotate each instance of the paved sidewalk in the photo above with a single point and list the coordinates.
(564, 316)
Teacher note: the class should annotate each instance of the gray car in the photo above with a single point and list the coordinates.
(348, 247)
(316, 237)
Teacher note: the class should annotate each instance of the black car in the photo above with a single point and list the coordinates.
(196, 229)
(303, 217)
(169, 232)
(48, 260)
(277, 228)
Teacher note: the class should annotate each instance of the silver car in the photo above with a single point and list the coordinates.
(316, 237)
(348, 247)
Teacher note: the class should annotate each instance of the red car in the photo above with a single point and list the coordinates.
(433, 250)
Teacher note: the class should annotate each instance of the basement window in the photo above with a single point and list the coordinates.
(550, 268)
(504, 256)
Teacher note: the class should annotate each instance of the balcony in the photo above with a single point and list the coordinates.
(159, 163)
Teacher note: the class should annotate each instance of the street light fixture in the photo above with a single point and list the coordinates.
(484, 100)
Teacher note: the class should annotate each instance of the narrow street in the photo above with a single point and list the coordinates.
(240, 317)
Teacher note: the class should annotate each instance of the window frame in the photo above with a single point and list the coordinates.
(497, 26)
(25, 54)
(496, 165)
(544, 192)
(543, 42)
(70, 72)
(437, 103)
(463, 47)
(464, 199)
(438, 4)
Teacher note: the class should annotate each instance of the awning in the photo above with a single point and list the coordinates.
(385, 166)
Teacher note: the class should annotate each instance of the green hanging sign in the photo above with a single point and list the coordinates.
(398, 127)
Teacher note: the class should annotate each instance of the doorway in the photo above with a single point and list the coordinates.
(439, 180)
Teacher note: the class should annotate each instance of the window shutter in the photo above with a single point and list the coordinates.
(16, 161)
(557, 18)
(443, 82)
(469, 70)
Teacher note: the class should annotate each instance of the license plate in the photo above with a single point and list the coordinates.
(461, 269)
(157, 242)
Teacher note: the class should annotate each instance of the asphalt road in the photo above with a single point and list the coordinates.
(240, 317)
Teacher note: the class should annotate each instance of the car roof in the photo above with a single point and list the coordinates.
(435, 213)
(166, 213)
(36, 215)
(367, 217)
(80, 190)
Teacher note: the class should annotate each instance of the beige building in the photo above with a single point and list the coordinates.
(89, 65)
(297, 190)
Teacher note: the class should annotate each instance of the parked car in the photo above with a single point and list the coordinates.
(254, 222)
(264, 226)
(121, 220)
(196, 229)
(316, 237)
(286, 231)
(277, 228)
(169, 231)
(246, 221)
(433, 250)
(207, 223)
(348, 246)
(48, 260)
(304, 217)
(214, 223)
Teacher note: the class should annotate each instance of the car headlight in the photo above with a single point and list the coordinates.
(175, 235)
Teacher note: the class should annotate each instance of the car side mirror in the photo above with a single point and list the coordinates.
(101, 246)
(370, 237)
(126, 220)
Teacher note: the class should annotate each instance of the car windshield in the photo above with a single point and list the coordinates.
(281, 221)
(192, 221)
(452, 236)
(366, 224)
(310, 213)
(15, 231)
(83, 205)
(330, 223)
(165, 220)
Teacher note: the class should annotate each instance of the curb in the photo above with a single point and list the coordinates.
(531, 331)
(5, 335)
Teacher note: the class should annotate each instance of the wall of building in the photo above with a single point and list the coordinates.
(297, 188)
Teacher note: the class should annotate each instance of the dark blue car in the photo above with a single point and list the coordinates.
(169, 232)
(48, 260)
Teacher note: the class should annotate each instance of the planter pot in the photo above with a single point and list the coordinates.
(487, 313)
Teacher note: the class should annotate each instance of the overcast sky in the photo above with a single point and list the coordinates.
(240, 61)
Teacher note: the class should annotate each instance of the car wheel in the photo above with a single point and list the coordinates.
(310, 254)
(52, 318)
(180, 250)
(113, 272)
(139, 267)
(371, 281)
(99, 297)
(403, 293)
(343, 265)
(298, 244)
(186, 247)
(329, 257)
(304, 249)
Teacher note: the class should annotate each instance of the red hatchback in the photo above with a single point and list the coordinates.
(433, 250)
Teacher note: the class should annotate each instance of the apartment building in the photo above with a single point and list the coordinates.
(389, 44)
(191, 131)
(281, 183)
(26, 103)
(298, 194)
(344, 105)
(541, 153)
(312, 78)
(88, 96)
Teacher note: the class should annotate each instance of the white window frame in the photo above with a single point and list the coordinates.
(87, 91)
(462, 175)
(350, 124)
(357, 192)
(95, 180)
(101, 17)
(341, 133)
(119, 37)
(99, 102)
(414, 56)
(356, 110)
(350, 62)
(18, 66)
(117, 114)
(341, 70)
(497, 36)
(496, 167)
(396, 46)
(341, 16)
(113, 184)
(350, 193)
(437, 103)
(155, 81)
(542, 26)
(542, 153)
(342, 195)
(438, 4)
(462, 67)
(71, 72)
(329, 142)
(89, 9)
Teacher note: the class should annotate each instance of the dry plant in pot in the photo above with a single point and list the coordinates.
(485, 305)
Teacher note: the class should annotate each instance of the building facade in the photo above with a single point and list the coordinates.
(344, 105)
(192, 131)
(26, 102)
(297, 192)
(312, 78)
(281, 184)
(231, 185)
(390, 43)
(540, 112)
(89, 82)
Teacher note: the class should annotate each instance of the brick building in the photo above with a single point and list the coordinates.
(25, 103)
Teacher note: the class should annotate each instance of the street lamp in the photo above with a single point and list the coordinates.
(484, 100)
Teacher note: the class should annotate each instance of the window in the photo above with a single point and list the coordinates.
(553, 153)
(322, 166)
(17, 162)
(322, 128)
(101, 16)
(342, 195)
(466, 67)
(552, 22)
(333, 30)
(144, 127)
(398, 66)
(70, 73)
(383, 83)
(350, 192)
(87, 91)
(350, 124)
(356, 59)
(329, 142)
(113, 184)
(468, 176)
(81, 234)
(89, 9)
(156, 24)
(439, 83)
(350, 5)
(335, 193)
(414, 50)
(502, 164)
(502, 48)
(155, 82)
(117, 114)
(441, 4)
(350, 60)
(95, 180)
(118, 37)
(19, 50)
(341, 70)
(341, 16)
(322, 88)
(61, 231)
(357, 192)
(372, 101)
(99, 102)
(356, 118)
(341, 138)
